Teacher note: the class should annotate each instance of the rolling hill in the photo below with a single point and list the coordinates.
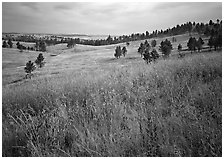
(84, 102)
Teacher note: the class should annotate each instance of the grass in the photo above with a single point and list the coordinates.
(170, 108)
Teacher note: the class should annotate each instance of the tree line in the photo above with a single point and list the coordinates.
(213, 30)
(188, 27)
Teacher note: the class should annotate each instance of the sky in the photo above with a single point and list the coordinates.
(98, 18)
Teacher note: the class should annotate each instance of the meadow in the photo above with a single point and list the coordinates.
(84, 102)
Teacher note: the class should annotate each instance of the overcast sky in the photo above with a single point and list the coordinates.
(103, 18)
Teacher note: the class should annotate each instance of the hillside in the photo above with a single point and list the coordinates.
(79, 58)
(84, 102)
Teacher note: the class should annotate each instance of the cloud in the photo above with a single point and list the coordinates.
(30, 5)
(66, 6)
(183, 5)
(103, 18)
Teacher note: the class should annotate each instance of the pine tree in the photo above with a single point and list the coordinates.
(109, 40)
(4, 44)
(166, 47)
(30, 67)
(154, 54)
(124, 51)
(147, 34)
(146, 43)
(153, 43)
(147, 56)
(199, 44)
(10, 43)
(141, 49)
(118, 52)
(39, 60)
(192, 44)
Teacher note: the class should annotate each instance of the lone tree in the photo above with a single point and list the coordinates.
(39, 60)
(118, 52)
(124, 51)
(153, 43)
(30, 67)
(166, 47)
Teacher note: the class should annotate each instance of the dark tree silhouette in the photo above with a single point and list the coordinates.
(127, 43)
(20, 47)
(147, 34)
(39, 60)
(141, 49)
(211, 22)
(147, 56)
(166, 47)
(199, 44)
(10, 43)
(153, 43)
(118, 52)
(4, 45)
(71, 43)
(154, 54)
(211, 42)
(30, 67)
(124, 51)
(192, 42)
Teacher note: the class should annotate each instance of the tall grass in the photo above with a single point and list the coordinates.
(171, 108)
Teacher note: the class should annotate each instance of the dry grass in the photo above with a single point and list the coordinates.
(171, 108)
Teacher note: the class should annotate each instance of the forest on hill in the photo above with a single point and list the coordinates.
(209, 29)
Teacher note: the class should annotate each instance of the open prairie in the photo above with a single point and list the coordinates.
(112, 79)
(60, 59)
(85, 102)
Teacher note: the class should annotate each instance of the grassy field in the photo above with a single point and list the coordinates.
(84, 102)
